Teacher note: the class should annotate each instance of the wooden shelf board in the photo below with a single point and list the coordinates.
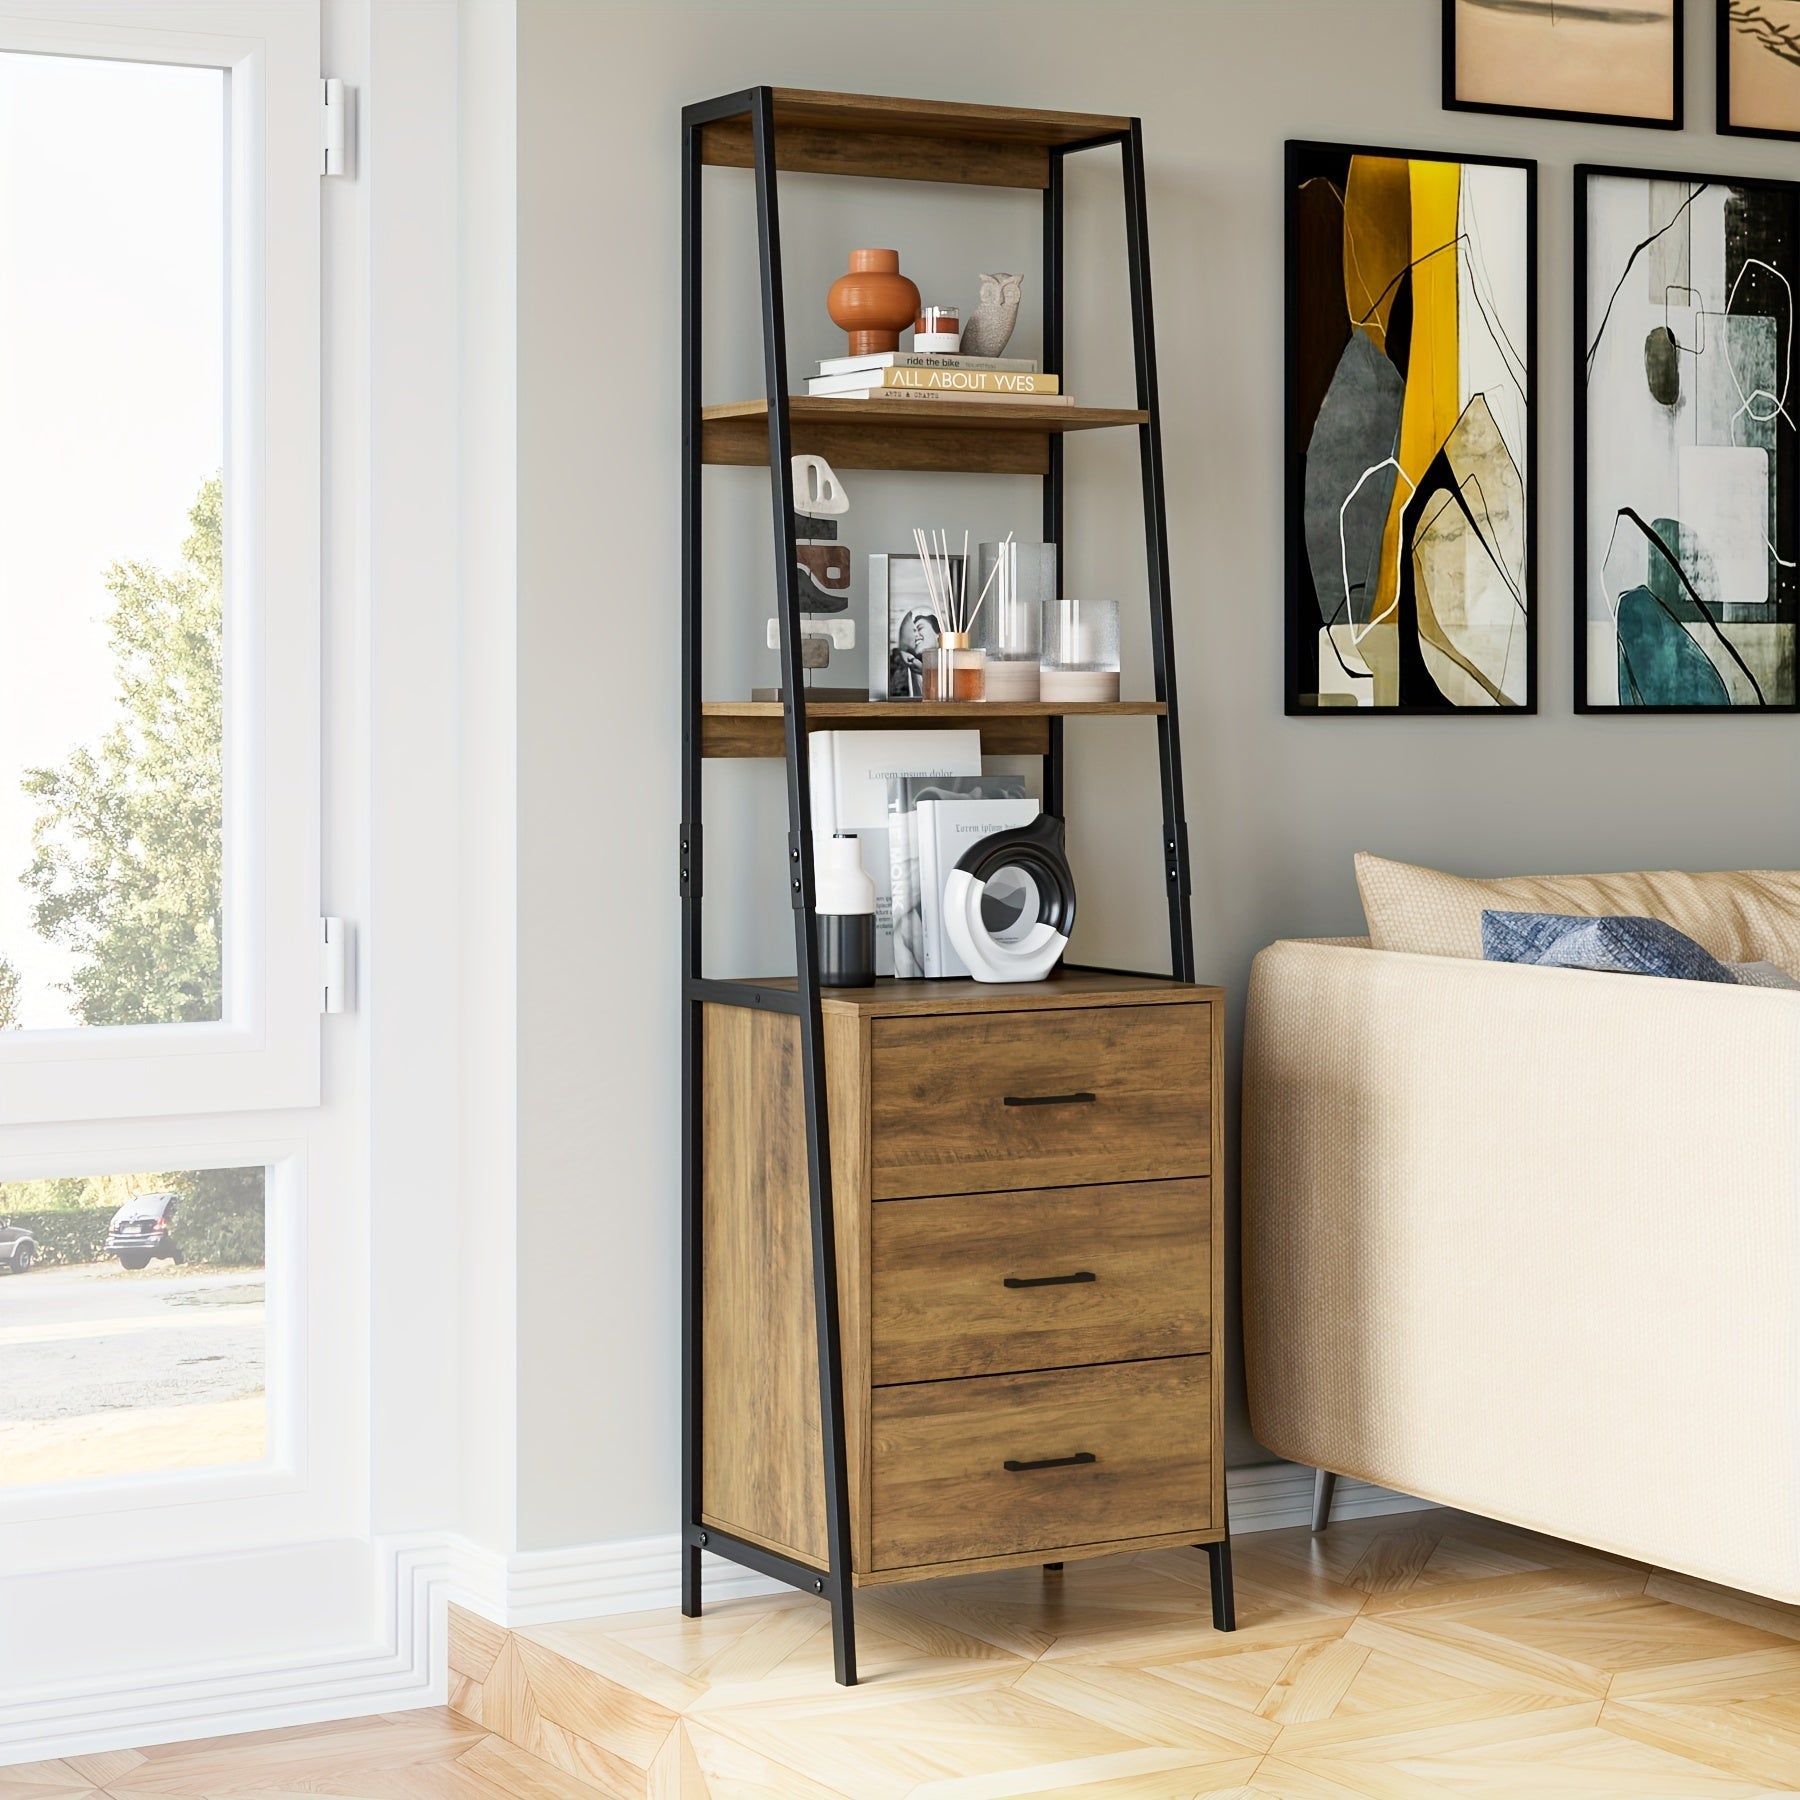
(999, 437)
(1008, 727)
(909, 140)
(1067, 987)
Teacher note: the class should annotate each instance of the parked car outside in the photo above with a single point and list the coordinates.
(18, 1248)
(144, 1227)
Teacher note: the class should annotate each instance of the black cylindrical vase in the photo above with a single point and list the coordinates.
(846, 949)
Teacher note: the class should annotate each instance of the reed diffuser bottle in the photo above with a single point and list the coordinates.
(957, 668)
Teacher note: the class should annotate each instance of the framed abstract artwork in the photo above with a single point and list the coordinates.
(1411, 432)
(1686, 455)
(1759, 68)
(1611, 62)
(1685, 447)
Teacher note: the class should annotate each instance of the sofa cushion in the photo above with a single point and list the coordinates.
(1621, 946)
(1738, 915)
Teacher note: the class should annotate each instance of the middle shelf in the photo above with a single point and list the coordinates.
(1008, 727)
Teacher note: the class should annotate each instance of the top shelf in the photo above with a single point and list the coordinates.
(909, 140)
(995, 437)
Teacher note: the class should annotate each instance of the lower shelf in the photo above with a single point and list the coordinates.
(1007, 727)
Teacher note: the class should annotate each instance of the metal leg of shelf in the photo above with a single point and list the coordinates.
(1055, 525)
(834, 1589)
(1224, 1590)
(802, 894)
(690, 1582)
(1177, 873)
(691, 869)
(1224, 1596)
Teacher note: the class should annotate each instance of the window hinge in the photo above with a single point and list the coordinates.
(337, 140)
(335, 939)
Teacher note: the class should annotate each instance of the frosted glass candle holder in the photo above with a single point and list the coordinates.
(1009, 626)
(1081, 651)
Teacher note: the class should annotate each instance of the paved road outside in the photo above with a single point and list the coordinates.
(105, 1370)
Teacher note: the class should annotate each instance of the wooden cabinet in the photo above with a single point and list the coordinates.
(1028, 1273)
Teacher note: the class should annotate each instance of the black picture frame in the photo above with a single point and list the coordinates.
(1301, 607)
(1722, 121)
(1453, 103)
(1585, 175)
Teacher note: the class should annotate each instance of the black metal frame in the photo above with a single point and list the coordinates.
(802, 1000)
(1723, 123)
(1679, 51)
(1585, 176)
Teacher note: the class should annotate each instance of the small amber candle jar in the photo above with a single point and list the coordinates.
(938, 329)
(955, 670)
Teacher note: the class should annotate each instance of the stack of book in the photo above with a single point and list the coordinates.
(923, 375)
(917, 803)
(933, 822)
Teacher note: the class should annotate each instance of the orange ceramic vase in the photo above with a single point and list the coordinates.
(874, 302)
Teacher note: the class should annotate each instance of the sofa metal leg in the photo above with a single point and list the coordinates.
(1324, 1484)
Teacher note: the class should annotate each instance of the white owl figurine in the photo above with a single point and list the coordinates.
(990, 327)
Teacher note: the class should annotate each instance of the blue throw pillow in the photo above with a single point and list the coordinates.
(1625, 946)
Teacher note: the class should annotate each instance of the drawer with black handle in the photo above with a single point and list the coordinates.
(998, 1100)
(982, 1284)
(1004, 1465)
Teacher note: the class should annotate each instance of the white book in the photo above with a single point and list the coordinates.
(850, 775)
(904, 794)
(933, 396)
(948, 831)
(925, 359)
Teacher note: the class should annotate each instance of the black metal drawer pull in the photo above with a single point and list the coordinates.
(1050, 1462)
(1016, 1281)
(1048, 1100)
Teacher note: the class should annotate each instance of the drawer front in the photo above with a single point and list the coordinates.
(991, 1282)
(1122, 1452)
(986, 1101)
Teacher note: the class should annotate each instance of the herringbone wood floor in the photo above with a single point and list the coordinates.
(1419, 1654)
(1424, 1654)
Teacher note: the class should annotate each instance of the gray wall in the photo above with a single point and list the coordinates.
(1276, 806)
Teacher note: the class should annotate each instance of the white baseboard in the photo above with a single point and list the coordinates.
(405, 1664)
(402, 1666)
(588, 1581)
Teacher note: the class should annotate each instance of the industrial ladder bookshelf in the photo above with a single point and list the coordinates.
(766, 130)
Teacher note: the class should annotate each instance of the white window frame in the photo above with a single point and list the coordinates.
(264, 1053)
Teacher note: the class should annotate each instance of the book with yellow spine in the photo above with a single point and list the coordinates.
(982, 382)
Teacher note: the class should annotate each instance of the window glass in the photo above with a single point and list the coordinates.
(132, 1333)
(112, 519)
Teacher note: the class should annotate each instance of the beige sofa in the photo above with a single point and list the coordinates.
(1527, 1241)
